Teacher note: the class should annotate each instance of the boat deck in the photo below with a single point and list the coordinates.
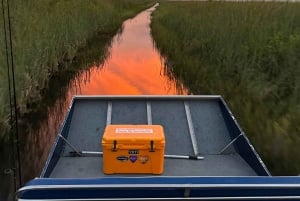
(192, 125)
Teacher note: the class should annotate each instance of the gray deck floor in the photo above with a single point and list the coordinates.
(212, 165)
(90, 117)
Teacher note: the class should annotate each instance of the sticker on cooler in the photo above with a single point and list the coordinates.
(122, 158)
(143, 159)
(132, 152)
(133, 158)
(134, 130)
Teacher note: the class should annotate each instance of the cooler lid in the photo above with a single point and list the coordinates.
(133, 133)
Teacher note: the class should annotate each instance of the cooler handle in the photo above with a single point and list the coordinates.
(152, 146)
(114, 149)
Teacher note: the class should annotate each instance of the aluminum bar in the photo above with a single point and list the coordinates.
(191, 128)
(109, 111)
(149, 113)
(166, 156)
(230, 143)
(70, 145)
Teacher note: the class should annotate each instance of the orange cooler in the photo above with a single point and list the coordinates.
(133, 149)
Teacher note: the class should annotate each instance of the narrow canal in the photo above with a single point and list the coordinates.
(133, 67)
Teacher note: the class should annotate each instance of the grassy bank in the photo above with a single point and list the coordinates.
(47, 34)
(250, 54)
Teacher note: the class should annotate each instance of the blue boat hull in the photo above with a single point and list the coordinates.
(167, 188)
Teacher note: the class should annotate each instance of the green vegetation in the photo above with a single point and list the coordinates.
(250, 54)
(49, 33)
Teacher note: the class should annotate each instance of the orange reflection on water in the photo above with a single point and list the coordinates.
(134, 65)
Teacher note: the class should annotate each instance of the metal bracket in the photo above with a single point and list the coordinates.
(187, 192)
(230, 143)
(9, 170)
(70, 145)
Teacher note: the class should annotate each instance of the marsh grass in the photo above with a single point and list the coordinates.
(249, 52)
(47, 34)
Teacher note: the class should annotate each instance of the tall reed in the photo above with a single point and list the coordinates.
(47, 33)
(249, 52)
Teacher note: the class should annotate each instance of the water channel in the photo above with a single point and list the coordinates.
(133, 67)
